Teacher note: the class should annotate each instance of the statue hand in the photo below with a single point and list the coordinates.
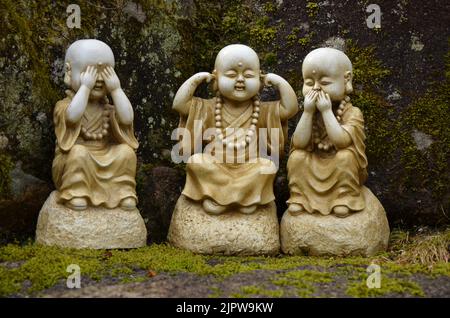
(112, 82)
(309, 103)
(89, 77)
(323, 102)
(204, 76)
(271, 79)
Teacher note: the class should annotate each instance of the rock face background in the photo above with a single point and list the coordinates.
(402, 85)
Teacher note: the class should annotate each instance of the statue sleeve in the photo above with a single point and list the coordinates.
(270, 111)
(124, 134)
(197, 121)
(353, 124)
(66, 133)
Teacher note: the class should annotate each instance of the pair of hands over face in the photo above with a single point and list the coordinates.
(90, 77)
(316, 99)
(268, 79)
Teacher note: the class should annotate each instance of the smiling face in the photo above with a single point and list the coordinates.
(237, 72)
(328, 70)
(80, 55)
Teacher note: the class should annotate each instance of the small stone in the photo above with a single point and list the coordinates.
(254, 121)
(218, 118)
(347, 99)
(218, 124)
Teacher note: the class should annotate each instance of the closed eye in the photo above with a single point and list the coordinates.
(249, 75)
(309, 83)
(231, 74)
(324, 83)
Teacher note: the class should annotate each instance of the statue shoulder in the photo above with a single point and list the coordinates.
(354, 111)
(62, 103)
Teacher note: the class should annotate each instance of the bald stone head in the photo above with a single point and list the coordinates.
(237, 71)
(329, 70)
(83, 53)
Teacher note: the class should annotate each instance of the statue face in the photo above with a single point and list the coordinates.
(331, 81)
(328, 70)
(238, 73)
(99, 90)
(83, 53)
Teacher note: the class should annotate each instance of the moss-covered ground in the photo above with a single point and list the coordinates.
(414, 266)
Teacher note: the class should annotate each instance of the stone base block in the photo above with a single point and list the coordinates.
(230, 233)
(95, 227)
(362, 233)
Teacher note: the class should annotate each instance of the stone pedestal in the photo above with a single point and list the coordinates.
(95, 227)
(230, 233)
(362, 233)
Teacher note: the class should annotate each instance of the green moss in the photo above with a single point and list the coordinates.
(368, 73)
(44, 267)
(388, 286)
(306, 40)
(214, 26)
(368, 70)
(304, 281)
(6, 165)
(270, 7)
(312, 8)
(428, 167)
(270, 59)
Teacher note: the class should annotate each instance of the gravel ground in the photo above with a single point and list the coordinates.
(196, 286)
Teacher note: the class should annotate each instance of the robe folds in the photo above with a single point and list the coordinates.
(247, 178)
(101, 171)
(319, 180)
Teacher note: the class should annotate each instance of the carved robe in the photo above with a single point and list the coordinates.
(102, 171)
(320, 180)
(245, 181)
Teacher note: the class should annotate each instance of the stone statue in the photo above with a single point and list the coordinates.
(227, 205)
(95, 162)
(329, 209)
